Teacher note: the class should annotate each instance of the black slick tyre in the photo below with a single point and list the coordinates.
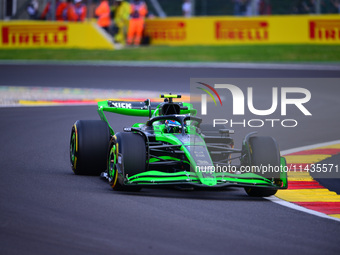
(264, 151)
(89, 146)
(132, 148)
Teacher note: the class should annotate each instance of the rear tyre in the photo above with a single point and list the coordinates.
(89, 145)
(133, 150)
(264, 151)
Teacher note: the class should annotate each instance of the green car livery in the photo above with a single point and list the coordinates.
(173, 148)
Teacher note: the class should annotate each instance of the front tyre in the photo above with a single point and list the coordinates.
(264, 151)
(132, 150)
(89, 145)
(112, 165)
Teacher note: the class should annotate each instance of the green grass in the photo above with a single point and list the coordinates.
(253, 53)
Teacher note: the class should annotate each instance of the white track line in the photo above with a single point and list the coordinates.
(295, 206)
(300, 208)
(309, 147)
(160, 64)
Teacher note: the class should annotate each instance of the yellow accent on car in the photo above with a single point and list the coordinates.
(170, 96)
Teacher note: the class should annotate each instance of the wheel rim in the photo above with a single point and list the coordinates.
(73, 147)
(112, 167)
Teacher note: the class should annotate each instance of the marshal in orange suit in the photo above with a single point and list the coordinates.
(103, 14)
(138, 11)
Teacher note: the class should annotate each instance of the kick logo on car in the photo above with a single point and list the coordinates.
(121, 105)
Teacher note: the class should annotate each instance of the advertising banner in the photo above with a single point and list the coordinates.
(302, 29)
(28, 34)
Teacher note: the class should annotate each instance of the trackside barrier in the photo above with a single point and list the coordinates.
(293, 29)
(37, 34)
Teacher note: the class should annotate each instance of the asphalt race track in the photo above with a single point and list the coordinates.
(46, 209)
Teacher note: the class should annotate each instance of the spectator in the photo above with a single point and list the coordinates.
(33, 9)
(102, 12)
(237, 7)
(138, 11)
(47, 12)
(252, 8)
(121, 20)
(265, 7)
(249, 7)
(243, 7)
(69, 12)
(80, 9)
(59, 10)
(186, 8)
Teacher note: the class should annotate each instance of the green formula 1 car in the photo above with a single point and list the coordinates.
(173, 148)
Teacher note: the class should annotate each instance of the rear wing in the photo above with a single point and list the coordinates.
(138, 108)
(133, 108)
(119, 105)
(130, 108)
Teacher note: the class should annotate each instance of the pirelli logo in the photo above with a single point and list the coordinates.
(34, 35)
(242, 30)
(324, 30)
(167, 30)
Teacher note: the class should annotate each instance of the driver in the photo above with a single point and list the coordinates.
(173, 126)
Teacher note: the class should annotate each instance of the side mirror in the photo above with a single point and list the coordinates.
(147, 103)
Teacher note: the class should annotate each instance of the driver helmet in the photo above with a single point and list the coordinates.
(173, 126)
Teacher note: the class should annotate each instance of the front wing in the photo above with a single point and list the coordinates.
(156, 178)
